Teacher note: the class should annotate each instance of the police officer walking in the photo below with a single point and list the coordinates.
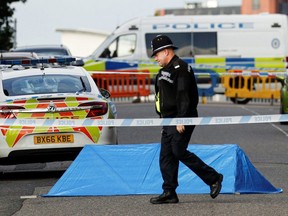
(176, 97)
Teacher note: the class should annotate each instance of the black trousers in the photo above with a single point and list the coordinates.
(174, 149)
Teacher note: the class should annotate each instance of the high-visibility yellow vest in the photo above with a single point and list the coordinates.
(157, 102)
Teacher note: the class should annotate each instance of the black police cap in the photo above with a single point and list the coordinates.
(161, 42)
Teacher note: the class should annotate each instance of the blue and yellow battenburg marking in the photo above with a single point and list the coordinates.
(218, 64)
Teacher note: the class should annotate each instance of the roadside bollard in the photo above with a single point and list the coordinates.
(204, 98)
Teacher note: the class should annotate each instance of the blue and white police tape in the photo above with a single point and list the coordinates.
(235, 67)
(222, 120)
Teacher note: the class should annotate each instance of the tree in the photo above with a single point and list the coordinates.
(6, 30)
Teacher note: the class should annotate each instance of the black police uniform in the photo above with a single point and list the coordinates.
(178, 97)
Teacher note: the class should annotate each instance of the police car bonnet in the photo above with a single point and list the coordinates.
(161, 42)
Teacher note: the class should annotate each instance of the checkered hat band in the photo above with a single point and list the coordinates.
(163, 47)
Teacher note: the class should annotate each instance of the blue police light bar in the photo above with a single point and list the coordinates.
(38, 61)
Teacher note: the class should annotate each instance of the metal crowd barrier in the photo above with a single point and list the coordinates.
(124, 83)
(237, 83)
(255, 85)
(210, 77)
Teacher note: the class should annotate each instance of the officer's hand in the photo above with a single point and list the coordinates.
(180, 128)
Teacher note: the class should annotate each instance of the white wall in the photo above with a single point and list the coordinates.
(81, 42)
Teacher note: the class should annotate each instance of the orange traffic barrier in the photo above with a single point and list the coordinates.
(124, 84)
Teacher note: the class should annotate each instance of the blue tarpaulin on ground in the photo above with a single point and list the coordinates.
(134, 169)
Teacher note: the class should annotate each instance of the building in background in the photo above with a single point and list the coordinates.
(210, 7)
(264, 6)
(82, 42)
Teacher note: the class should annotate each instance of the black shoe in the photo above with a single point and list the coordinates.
(216, 187)
(165, 197)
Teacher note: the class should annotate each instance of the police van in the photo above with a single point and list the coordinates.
(222, 41)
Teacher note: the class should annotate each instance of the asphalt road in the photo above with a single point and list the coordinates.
(264, 144)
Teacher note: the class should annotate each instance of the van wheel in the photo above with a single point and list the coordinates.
(240, 100)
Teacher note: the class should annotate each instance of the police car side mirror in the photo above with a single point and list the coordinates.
(281, 80)
(105, 93)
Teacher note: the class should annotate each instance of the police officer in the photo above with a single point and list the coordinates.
(176, 97)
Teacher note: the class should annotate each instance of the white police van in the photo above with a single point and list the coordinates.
(227, 41)
(262, 35)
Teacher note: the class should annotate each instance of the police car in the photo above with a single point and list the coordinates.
(33, 97)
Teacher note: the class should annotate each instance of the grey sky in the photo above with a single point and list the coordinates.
(37, 20)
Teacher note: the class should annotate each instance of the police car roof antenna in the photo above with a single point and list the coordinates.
(42, 67)
(2, 66)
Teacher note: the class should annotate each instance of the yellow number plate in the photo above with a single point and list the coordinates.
(51, 139)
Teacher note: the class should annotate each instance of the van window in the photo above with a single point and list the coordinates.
(205, 43)
(189, 43)
(122, 46)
